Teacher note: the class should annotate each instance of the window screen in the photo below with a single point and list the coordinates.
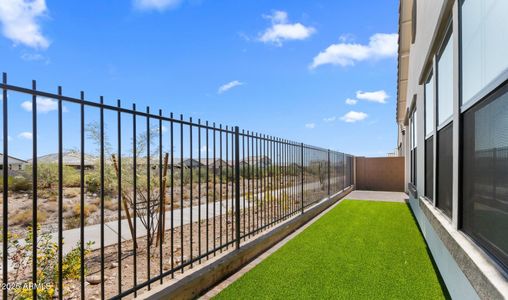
(445, 82)
(413, 144)
(413, 155)
(484, 44)
(485, 174)
(445, 169)
(429, 105)
(429, 167)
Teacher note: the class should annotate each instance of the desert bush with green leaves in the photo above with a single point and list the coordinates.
(20, 251)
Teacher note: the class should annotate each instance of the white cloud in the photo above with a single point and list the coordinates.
(227, 86)
(330, 119)
(354, 116)
(381, 45)
(203, 149)
(346, 37)
(33, 57)
(310, 125)
(44, 105)
(350, 101)
(25, 135)
(20, 19)
(159, 5)
(377, 96)
(281, 30)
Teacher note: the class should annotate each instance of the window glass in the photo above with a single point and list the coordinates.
(429, 167)
(445, 169)
(413, 145)
(485, 174)
(429, 105)
(484, 44)
(445, 82)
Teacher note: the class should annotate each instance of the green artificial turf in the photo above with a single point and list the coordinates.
(359, 249)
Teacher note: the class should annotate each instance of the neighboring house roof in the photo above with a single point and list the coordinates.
(217, 162)
(11, 160)
(254, 159)
(242, 162)
(70, 158)
(192, 163)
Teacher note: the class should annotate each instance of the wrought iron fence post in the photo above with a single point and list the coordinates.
(34, 188)
(237, 185)
(5, 198)
(328, 173)
(301, 148)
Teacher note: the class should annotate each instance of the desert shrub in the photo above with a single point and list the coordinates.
(87, 210)
(72, 193)
(24, 218)
(19, 183)
(50, 194)
(47, 175)
(72, 177)
(74, 221)
(71, 267)
(110, 204)
(47, 265)
(92, 181)
(226, 177)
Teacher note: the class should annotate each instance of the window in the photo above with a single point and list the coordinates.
(485, 173)
(445, 82)
(429, 142)
(413, 144)
(444, 138)
(445, 169)
(429, 168)
(429, 105)
(484, 34)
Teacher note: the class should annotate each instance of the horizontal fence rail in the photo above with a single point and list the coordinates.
(105, 201)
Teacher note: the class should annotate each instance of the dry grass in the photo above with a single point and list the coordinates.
(71, 193)
(110, 204)
(24, 217)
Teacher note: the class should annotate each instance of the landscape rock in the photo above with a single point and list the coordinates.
(93, 279)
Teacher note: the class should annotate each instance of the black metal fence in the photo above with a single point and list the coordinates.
(129, 197)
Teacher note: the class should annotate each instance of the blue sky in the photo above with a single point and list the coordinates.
(283, 68)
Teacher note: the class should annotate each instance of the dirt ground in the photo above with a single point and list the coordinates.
(20, 203)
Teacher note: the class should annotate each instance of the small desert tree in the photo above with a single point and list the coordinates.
(147, 194)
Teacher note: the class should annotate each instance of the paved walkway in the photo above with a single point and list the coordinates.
(378, 196)
(93, 232)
